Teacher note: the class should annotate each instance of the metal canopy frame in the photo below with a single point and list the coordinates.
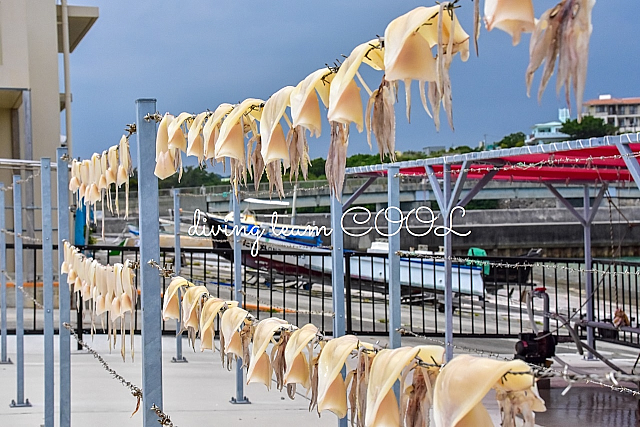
(448, 199)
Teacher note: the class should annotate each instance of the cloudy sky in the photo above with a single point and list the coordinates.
(193, 55)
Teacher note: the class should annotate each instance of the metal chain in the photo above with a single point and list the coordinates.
(35, 301)
(23, 181)
(21, 236)
(24, 292)
(134, 389)
(479, 262)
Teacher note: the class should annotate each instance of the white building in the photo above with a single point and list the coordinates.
(621, 112)
(544, 133)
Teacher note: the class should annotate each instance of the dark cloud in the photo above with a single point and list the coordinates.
(193, 55)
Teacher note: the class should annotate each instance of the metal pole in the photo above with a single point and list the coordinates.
(47, 282)
(591, 340)
(448, 282)
(393, 210)
(337, 276)
(67, 76)
(149, 250)
(293, 204)
(237, 286)
(17, 229)
(3, 282)
(64, 300)
(177, 265)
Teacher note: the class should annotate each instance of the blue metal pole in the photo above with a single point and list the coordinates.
(64, 301)
(149, 250)
(448, 265)
(3, 282)
(588, 264)
(47, 282)
(17, 229)
(393, 206)
(237, 286)
(177, 265)
(337, 276)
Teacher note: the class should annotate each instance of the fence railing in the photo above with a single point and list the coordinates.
(489, 292)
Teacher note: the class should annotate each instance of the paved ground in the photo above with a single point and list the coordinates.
(197, 393)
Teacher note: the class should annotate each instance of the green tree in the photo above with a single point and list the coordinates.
(512, 140)
(192, 176)
(590, 127)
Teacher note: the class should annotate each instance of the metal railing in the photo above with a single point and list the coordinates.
(489, 302)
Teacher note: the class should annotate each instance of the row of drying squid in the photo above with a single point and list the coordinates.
(109, 289)
(91, 180)
(404, 54)
(449, 394)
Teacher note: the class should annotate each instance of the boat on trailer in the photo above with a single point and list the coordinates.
(294, 256)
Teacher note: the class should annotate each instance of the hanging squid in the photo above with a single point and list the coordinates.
(305, 116)
(231, 140)
(465, 380)
(275, 149)
(511, 16)
(562, 32)
(408, 41)
(345, 107)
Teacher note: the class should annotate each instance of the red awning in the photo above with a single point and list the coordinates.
(598, 164)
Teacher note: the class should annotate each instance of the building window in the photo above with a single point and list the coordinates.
(600, 109)
(633, 109)
(621, 109)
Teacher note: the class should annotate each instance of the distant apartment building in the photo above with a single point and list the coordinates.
(544, 133)
(621, 112)
(30, 99)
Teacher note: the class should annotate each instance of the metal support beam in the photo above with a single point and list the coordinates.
(239, 398)
(394, 226)
(567, 204)
(177, 266)
(64, 301)
(19, 282)
(357, 193)
(435, 187)
(337, 276)
(588, 264)
(586, 218)
(47, 284)
(477, 187)
(457, 189)
(448, 265)
(630, 160)
(149, 250)
(3, 282)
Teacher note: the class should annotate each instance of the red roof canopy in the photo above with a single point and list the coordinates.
(602, 163)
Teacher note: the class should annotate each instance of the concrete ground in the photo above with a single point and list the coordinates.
(197, 393)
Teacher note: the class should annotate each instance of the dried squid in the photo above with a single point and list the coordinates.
(562, 32)
(511, 16)
(305, 116)
(465, 380)
(345, 107)
(332, 392)
(407, 54)
(260, 368)
(230, 142)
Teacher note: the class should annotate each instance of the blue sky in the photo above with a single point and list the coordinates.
(193, 55)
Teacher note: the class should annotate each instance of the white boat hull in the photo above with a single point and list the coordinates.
(416, 273)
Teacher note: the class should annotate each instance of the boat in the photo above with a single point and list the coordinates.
(311, 259)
